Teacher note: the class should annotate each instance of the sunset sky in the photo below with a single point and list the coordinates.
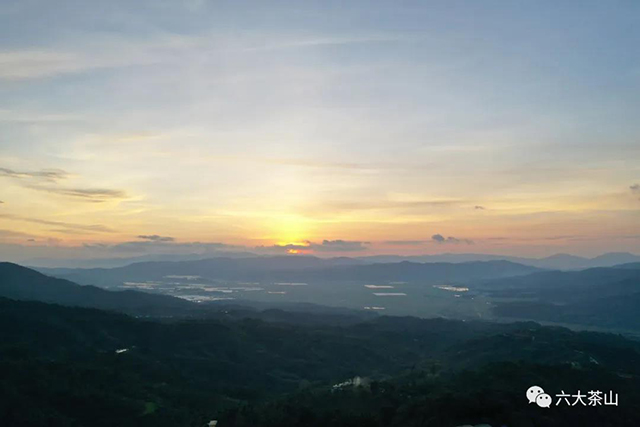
(330, 128)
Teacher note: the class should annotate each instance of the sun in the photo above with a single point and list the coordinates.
(290, 230)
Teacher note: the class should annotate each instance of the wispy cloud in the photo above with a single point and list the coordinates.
(156, 238)
(94, 195)
(65, 226)
(47, 180)
(51, 175)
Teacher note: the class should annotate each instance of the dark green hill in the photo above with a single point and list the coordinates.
(21, 283)
(63, 366)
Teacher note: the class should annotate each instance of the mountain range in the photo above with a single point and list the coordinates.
(553, 262)
(603, 297)
(292, 269)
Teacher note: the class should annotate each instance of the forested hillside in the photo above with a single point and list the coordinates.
(66, 366)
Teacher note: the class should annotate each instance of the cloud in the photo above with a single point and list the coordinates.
(94, 195)
(156, 238)
(46, 180)
(66, 226)
(50, 175)
(440, 239)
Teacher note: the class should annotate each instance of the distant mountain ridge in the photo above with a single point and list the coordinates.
(123, 261)
(605, 296)
(286, 268)
(554, 262)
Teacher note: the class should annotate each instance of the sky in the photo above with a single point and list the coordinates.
(318, 127)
